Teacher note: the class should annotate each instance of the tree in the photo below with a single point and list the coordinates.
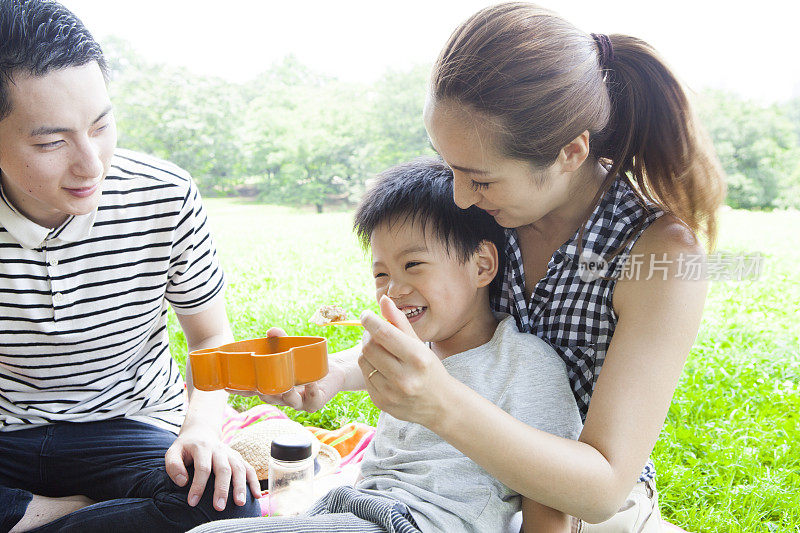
(174, 114)
(303, 134)
(758, 148)
(395, 116)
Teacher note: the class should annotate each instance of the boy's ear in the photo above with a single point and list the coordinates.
(487, 262)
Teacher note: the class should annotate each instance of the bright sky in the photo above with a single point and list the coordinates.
(749, 48)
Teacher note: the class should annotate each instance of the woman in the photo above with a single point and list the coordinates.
(586, 149)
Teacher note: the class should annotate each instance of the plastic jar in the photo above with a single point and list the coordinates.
(291, 475)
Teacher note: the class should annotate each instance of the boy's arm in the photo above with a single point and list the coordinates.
(538, 518)
(198, 441)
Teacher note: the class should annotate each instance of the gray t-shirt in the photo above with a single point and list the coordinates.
(445, 490)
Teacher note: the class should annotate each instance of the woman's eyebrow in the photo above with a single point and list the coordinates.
(469, 170)
(459, 167)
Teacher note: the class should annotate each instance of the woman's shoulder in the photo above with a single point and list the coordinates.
(669, 256)
(667, 235)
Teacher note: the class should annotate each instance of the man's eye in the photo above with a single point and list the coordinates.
(412, 264)
(380, 274)
(479, 185)
(50, 145)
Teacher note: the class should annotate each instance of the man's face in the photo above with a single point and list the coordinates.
(57, 143)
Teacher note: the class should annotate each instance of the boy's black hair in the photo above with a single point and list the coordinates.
(421, 192)
(39, 36)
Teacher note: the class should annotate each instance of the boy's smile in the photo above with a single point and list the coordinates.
(413, 312)
(445, 300)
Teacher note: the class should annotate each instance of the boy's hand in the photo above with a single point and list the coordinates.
(309, 397)
(403, 376)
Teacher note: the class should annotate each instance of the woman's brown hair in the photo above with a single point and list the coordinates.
(543, 79)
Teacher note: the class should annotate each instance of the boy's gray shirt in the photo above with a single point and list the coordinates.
(445, 490)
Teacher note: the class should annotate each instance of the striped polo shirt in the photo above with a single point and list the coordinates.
(83, 307)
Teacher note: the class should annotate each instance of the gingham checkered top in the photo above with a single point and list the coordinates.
(570, 308)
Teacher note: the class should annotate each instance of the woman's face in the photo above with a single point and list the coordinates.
(512, 191)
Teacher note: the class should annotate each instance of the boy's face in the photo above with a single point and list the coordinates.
(57, 143)
(440, 296)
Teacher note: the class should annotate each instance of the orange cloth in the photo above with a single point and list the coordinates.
(347, 439)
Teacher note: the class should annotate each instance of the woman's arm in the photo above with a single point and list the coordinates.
(536, 518)
(589, 478)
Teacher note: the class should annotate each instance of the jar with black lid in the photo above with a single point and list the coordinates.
(291, 475)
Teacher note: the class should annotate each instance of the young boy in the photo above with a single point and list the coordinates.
(436, 263)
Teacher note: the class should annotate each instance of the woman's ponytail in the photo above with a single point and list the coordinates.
(654, 138)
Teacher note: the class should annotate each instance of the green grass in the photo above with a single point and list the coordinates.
(729, 455)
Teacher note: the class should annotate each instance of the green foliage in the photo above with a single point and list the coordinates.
(289, 136)
(758, 147)
(292, 136)
(175, 115)
(395, 117)
(729, 453)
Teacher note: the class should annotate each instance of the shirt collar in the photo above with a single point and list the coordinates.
(599, 219)
(32, 236)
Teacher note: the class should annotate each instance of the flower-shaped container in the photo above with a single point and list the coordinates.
(270, 365)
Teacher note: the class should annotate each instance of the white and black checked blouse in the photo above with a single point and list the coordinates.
(570, 309)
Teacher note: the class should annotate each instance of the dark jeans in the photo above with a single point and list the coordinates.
(118, 463)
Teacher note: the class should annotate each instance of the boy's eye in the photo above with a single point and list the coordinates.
(379, 274)
(479, 185)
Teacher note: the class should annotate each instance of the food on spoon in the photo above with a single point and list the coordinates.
(327, 314)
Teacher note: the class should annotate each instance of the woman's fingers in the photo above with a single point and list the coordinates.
(252, 481)
(173, 461)
(201, 459)
(394, 315)
(374, 356)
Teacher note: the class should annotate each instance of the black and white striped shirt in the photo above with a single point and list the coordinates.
(83, 307)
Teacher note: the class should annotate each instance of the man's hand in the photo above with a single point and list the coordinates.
(200, 446)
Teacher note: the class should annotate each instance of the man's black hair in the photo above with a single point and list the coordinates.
(421, 192)
(39, 36)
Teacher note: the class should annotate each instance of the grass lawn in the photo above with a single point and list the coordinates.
(729, 455)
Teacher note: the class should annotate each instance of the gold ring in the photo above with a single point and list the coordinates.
(372, 373)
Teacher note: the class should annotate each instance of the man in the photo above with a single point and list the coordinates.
(94, 242)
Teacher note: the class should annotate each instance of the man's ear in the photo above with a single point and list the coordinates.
(572, 156)
(486, 260)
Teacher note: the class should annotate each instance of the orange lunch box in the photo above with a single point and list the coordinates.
(270, 365)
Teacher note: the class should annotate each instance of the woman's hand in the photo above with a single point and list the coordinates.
(403, 376)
